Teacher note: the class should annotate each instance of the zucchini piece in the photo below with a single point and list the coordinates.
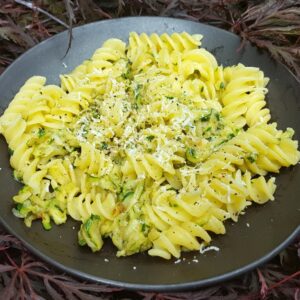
(90, 234)
(192, 155)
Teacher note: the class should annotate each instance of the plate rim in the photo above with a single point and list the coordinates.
(178, 287)
(192, 285)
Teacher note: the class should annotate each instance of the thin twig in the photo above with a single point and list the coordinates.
(71, 17)
(36, 8)
(284, 280)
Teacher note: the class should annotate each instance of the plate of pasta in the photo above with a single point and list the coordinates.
(152, 156)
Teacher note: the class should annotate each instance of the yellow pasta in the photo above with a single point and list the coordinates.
(152, 144)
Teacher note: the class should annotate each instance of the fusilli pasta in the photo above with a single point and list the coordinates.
(152, 144)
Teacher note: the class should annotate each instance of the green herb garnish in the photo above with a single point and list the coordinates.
(104, 146)
(206, 117)
(150, 137)
(41, 132)
(145, 228)
(252, 157)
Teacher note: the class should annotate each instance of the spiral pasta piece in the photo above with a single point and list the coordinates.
(164, 50)
(244, 96)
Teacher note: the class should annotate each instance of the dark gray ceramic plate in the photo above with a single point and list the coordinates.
(271, 226)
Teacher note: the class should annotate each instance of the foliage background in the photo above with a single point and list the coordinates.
(272, 25)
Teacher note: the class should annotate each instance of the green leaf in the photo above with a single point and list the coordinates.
(145, 228)
(252, 157)
(207, 129)
(41, 132)
(19, 206)
(104, 146)
(150, 137)
(230, 136)
(206, 117)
